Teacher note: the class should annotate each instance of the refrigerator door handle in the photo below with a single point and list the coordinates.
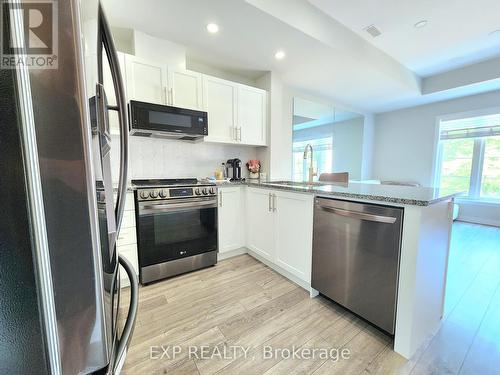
(128, 329)
(121, 107)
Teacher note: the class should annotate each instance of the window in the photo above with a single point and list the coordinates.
(490, 182)
(469, 156)
(322, 160)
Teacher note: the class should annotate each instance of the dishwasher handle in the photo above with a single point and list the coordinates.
(359, 215)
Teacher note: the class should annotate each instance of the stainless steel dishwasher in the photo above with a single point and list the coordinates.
(356, 250)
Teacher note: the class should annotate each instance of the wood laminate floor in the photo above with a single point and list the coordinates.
(241, 304)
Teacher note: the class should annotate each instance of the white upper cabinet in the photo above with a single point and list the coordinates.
(184, 88)
(252, 115)
(237, 114)
(231, 215)
(146, 80)
(219, 100)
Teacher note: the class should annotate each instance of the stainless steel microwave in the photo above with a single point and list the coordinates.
(156, 120)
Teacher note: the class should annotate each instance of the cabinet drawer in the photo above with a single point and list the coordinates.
(129, 201)
(127, 237)
(128, 219)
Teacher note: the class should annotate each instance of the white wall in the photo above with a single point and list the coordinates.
(404, 140)
(404, 146)
(163, 158)
(155, 49)
(201, 67)
(276, 159)
(368, 143)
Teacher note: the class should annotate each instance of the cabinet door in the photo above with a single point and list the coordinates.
(293, 228)
(146, 80)
(114, 124)
(260, 222)
(231, 219)
(219, 100)
(252, 115)
(185, 88)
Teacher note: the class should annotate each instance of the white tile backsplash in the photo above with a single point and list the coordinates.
(163, 158)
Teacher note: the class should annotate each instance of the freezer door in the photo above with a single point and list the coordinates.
(356, 251)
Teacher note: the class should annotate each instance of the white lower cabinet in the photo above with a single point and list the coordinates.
(126, 244)
(293, 230)
(231, 219)
(260, 222)
(279, 227)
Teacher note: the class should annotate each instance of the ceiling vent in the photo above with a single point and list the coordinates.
(372, 30)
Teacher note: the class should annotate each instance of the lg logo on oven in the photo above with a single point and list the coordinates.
(32, 38)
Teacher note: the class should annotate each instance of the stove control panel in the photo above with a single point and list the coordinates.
(176, 192)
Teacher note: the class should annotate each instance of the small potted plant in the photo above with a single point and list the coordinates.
(253, 167)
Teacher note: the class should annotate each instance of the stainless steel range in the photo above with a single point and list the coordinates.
(176, 227)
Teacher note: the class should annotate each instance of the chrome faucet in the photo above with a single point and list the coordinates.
(311, 169)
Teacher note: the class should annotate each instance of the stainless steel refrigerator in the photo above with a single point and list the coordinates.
(59, 269)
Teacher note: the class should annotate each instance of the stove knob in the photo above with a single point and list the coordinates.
(163, 193)
(153, 194)
(205, 191)
(197, 191)
(144, 194)
(212, 191)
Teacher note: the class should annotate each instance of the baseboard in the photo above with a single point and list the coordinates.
(282, 271)
(232, 253)
(478, 220)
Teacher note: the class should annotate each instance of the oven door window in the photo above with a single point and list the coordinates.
(171, 235)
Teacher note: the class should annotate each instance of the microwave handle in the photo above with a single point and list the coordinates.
(121, 107)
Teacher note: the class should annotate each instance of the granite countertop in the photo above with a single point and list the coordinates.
(405, 195)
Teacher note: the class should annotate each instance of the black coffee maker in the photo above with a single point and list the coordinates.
(233, 168)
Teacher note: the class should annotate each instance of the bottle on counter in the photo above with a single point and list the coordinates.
(219, 175)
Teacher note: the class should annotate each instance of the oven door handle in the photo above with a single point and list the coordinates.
(176, 206)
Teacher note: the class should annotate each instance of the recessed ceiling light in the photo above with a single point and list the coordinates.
(212, 28)
(279, 55)
(421, 24)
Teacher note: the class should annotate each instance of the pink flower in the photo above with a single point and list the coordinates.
(253, 166)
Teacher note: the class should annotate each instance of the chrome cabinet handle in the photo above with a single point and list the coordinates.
(359, 215)
(270, 202)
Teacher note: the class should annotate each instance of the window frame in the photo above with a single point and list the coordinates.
(477, 156)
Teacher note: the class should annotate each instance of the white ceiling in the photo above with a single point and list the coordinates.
(323, 56)
(457, 32)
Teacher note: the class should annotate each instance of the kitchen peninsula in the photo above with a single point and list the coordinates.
(279, 232)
